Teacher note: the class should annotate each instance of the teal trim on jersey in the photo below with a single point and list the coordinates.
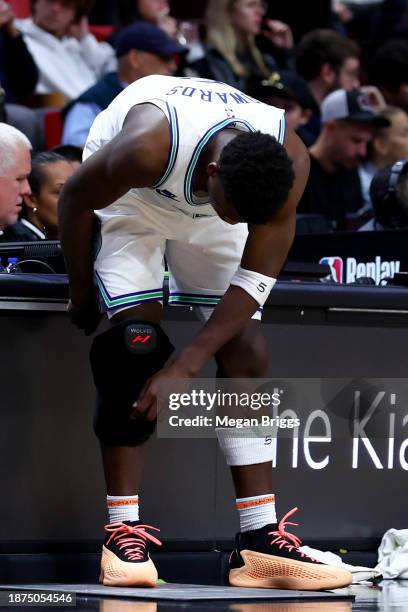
(282, 129)
(194, 299)
(174, 145)
(198, 150)
(134, 298)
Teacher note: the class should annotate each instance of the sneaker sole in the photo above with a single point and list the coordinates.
(270, 572)
(115, 572)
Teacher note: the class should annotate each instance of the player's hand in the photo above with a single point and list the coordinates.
(84, 314)
(146, 404)
(279, 33)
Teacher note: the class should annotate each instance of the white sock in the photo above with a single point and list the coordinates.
(256, 512)
(124, 508)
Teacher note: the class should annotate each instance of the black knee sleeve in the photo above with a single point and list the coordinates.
(122, 360)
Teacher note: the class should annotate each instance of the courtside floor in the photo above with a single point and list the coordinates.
(387, 596)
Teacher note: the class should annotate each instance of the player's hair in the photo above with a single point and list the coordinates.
(389, 68)
(82, 7)
(11, 140)
(321, 47)
(257, 175)
(222, 38)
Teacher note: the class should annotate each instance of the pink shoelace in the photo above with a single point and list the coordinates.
(284, 539)
(120, 531)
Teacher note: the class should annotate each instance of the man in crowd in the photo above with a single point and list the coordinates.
(334, 188)
(69, 59)
(15, 166)
(142, 49)
(327, 61)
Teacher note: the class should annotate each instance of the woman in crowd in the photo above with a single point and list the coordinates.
(156, 12)
(48, 175)
(233, 55)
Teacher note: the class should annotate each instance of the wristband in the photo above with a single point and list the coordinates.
(257, 285)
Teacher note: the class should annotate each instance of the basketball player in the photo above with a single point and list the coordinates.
(200, 173)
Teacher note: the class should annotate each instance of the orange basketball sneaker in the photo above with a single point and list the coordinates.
(125, 555)
(270, 558)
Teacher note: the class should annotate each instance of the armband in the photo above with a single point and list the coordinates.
(257, 285)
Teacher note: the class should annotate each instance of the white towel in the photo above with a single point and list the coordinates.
(360, 574)
(393, 554)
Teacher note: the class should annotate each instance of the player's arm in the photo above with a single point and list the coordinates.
(136, 157)
(265, 252)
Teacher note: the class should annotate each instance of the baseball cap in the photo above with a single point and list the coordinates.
(355, 105)
(144, 36)
(283, 84)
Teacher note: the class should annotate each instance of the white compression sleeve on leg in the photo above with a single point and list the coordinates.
(243, 450)
(257, 285)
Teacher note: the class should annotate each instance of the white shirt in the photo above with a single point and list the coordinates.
(66, 65)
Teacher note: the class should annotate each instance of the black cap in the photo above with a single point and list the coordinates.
(143, 36)
(283, 84)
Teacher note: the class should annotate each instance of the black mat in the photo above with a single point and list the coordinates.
(182, 592)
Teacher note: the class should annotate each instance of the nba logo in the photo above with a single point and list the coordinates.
(336, 267)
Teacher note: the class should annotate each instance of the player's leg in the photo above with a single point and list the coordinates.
(265, 554)
(246, 356)
(123, 465)
(129, 271)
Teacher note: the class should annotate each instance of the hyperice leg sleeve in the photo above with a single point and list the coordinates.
(122, 360)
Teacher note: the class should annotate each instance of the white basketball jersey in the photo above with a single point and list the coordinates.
(196, 109)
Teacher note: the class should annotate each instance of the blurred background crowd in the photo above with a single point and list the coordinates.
(339, 69)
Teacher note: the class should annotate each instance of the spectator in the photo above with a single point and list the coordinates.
(286, 90)
(15, 166)
(156, 12)
(68, 57)
(233, 56)
(142, 50)
(18, 78)
(18, 72)
(327, 61)
(389, 72)
(39, 216)
(389, 195)
(388, 146)
(334, 189)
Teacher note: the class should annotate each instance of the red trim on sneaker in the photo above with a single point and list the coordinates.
(119, 532)
(285, 539)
